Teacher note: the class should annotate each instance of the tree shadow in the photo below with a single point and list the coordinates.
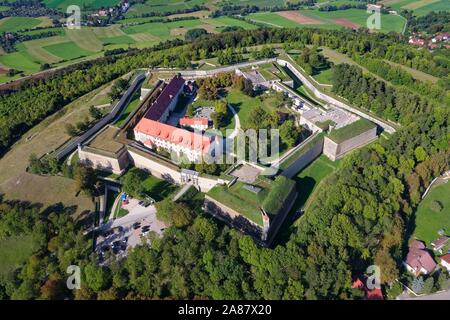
(305, 187)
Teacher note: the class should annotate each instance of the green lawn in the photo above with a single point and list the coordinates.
(13, 24)
(109, 203)
(243, 105)
(351, 130)
(429, 222)
(129, 109)
(67, 50)
(158, 189)
(324, 76)
(310, 177)
(13, 252)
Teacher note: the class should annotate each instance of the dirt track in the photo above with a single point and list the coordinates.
(298, 18)
(346, 23)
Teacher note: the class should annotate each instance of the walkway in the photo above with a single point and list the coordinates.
(181, 192)
(339, 104)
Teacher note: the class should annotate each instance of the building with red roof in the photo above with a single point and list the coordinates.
(419, 261)
(369, 294)
(195, 123)
(154, 134)
(445, 262)
(167, 100)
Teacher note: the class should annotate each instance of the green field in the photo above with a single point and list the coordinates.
(83, 4)
(162, 6)
(67, 50)
(420, 7)
(13, 24)
(328, 20)
(429, 222)
(14, 251)
(357, 16)
(19, 61)
(118, 40)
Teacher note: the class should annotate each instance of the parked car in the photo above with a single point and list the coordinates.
(136, 225)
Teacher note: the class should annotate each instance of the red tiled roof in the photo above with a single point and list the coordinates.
(186, 121)
(440, 242)
(417, 244)
(418, 258)
(374, 294)
(358, 284)
(446, 258)
(158, 108)
(174, 135)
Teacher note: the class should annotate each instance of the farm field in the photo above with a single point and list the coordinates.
(88, 4)
(429, 222)
(67, 50)
(13, 24)
(351, 18)
(420, 7)
(162, 6)
(71, 46)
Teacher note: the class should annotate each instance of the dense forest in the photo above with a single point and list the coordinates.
(363, 217)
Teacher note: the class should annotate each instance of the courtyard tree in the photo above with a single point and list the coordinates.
(132, 182)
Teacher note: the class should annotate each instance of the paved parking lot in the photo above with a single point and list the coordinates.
(120, 235)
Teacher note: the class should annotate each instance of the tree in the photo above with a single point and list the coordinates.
(428, 285)
(289, 133)
(95, 113)
(85, 179)
(133, 182)
(173, 213)
(97, 278)
(248, 88)
(194, 33)
(71, 130)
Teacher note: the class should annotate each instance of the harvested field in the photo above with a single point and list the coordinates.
(346, 23)
(298, 18)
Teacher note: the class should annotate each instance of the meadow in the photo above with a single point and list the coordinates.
(429, 222)
(73, 45)
(13, 24)
(83, 4)
(313, 18)
(420, 7)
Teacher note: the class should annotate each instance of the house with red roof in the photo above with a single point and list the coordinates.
(440, 243)
(419, 261)
(369, 294)
(200, 124)
(445, 262)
